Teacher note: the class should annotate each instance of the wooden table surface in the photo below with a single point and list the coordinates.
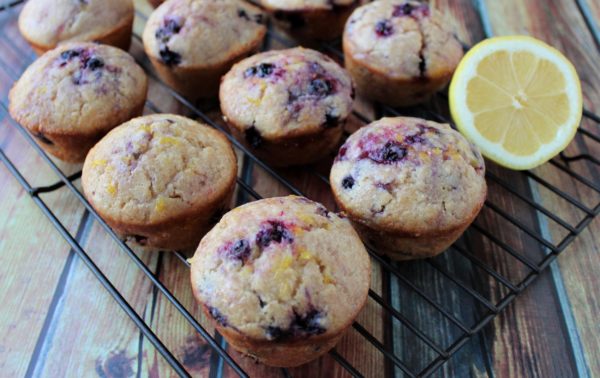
(57, 320)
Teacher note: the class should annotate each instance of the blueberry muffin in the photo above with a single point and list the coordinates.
(46, 23)
(192, 43)
(399, 52)
(282, 278)
(287, 106)
(309, 20)
(160, 180)
(410, 186)
(71, 96)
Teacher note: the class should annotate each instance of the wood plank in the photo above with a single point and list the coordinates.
(27, 288)
(573, 39)
(591, 12)
(175, 332)
(594, 7)
(494, 341)
(89, 331)
(26, 236)
(530, 316)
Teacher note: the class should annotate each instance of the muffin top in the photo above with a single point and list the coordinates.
(402, 39)
(193, 33)
(297, 5)
(155, 168)
(78, 87)
(49, 22)
(286, 93)
(282, 269)
(409, 175)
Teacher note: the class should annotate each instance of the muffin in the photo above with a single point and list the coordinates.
(282, 278)
(160, 181)
(399, 52)
(71, 96)
(309, 20)
(192, 43)
(47, 23)
(410, 186)
(287, 106)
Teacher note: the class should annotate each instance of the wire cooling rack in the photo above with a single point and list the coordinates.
(411, 345)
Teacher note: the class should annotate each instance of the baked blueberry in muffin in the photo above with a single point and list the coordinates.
(192, 43)
(288, 106)
(282, 278)
(399, 52)
(410, 186)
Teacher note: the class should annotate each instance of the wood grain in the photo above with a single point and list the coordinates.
(32, 264)
(89, 333)
(33, 257)
(577, 43)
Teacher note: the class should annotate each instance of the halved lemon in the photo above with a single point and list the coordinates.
(518, 99)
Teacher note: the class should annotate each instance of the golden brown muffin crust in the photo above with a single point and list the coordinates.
(158, 168)
(46, 23)
(281, 270)
(71, 96)
(409, 176)
(401, 39)
(202, 33)
(287, 93)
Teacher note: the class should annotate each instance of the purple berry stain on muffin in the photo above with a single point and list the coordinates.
(94, 63)
(390, 153)
(170, 27)
(243, 14)
(216, 314)
(240, 250)
(88, 63)
(322, 211)
(302, 325)
(342, 153)
(387, 186)
(403, 10)
(414, 139)
(427, 129)
(408, 9)
(320, 87)
(169, 57)
(389, 146)
(68, 55)
(273, 232)
(348, 182)
(384, 28)
(321, 83)
(262, 70)
(420, 136)
(253, 137)
(312, 83)
(258, 18)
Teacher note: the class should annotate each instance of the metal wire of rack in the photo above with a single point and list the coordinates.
(399, 281)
